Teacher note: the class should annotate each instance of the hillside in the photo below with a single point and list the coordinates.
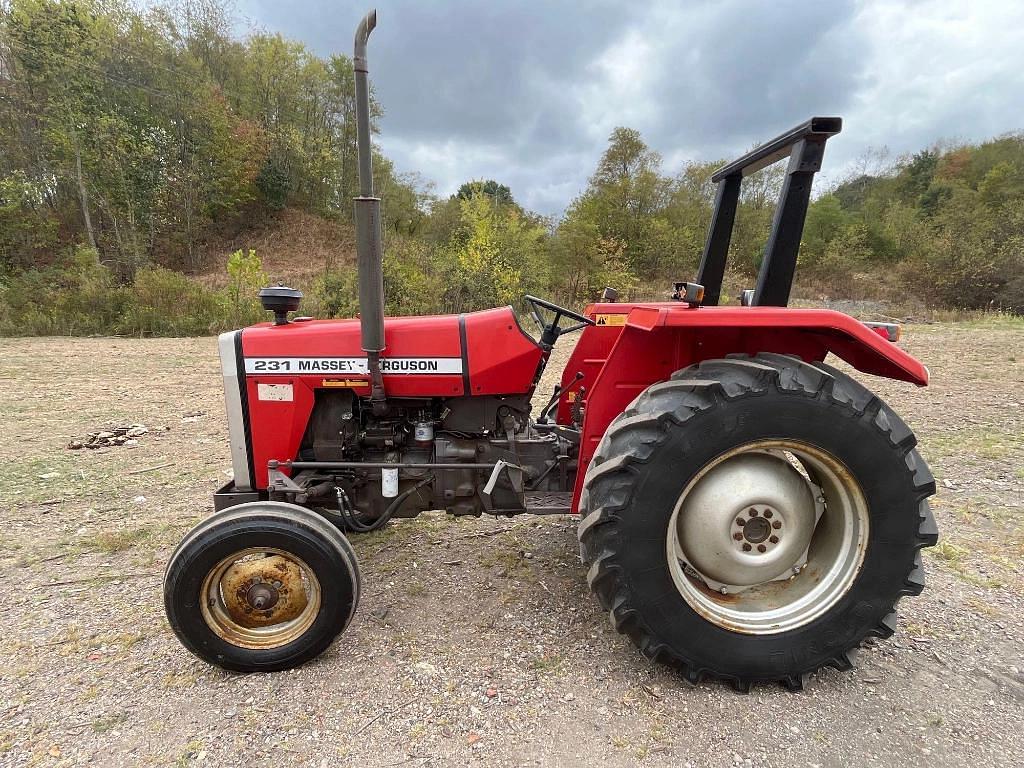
(295, 247)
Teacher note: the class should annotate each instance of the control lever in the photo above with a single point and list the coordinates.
(545, 412)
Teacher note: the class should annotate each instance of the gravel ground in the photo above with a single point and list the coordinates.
(477, 641)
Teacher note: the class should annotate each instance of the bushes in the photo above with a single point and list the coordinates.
(246, 277)
(78, 296)
(166, 303)
(75, 296)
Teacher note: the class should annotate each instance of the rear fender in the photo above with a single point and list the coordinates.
(657, 340)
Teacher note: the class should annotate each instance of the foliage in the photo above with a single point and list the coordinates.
(245, 278)
(79, 296)
(166, 303)
(945, 225)
(139, 131)
(493, 257)
(499, 193)
(74, 296)
(131, 137)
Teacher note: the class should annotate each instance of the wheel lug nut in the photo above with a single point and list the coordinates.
(752, 512)
(738, 536)
(777, 524)
(739, 521)
(774, 539)
(767, 513)
(746, 547)
(761, 547)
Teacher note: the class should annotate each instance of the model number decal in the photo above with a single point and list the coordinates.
(389, 365)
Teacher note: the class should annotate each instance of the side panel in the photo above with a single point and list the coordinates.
(331, 349)
(503, 360)
(479, 353)
(589, 358)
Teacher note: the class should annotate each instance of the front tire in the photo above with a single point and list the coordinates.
(754, 519)
(261, 587)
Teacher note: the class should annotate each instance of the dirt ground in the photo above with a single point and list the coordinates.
(477, 641)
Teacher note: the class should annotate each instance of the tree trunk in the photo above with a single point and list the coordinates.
(83, 198)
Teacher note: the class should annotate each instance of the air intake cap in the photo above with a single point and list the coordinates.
(280, 300)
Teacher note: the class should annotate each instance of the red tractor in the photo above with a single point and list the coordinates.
(747, 512)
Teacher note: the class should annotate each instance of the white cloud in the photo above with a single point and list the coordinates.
(943, 69)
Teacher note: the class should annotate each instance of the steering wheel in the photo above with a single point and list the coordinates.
(551, 331)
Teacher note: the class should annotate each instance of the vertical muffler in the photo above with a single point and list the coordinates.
(369, 248)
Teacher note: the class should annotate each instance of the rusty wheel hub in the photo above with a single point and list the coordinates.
(260, 598)
(262, 591)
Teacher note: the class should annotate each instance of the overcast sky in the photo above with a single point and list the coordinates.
(528, 92)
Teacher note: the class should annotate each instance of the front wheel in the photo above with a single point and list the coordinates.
(262, 586)
(754, 519)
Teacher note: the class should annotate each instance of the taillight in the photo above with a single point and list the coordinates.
(888, 331)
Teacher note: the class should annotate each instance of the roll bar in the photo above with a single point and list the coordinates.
(805, 147)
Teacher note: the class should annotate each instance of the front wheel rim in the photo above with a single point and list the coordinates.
(730, 540)
(260, 598)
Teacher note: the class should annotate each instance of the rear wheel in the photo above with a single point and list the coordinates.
(261, 586)
(754, 519)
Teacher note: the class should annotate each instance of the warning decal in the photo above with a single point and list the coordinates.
(610, 319)
(390, 366)
(281, 392)
(346, 383)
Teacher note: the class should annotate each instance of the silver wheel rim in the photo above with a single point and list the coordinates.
(262, 608)
(767, 537)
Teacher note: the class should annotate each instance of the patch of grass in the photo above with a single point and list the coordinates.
(183, 680)
(954, 557)
(548, 663)
(992, 321)
(190, 753)
(104, 724)
(918, 630)
(110, 542)
(982, 608)
(416, 589)
(986, 442)
(89, 694)
(949, 552)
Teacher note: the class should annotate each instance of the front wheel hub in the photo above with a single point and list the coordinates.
(263, 593)
(748, 520)
(262, 596)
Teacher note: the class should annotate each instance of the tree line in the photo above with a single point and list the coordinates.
(129, 137)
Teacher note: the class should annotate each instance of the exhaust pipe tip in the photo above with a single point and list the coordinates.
(366, 26)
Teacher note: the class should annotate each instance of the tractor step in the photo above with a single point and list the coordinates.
(548, 503)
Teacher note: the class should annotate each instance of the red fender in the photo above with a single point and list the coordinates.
(634, 346)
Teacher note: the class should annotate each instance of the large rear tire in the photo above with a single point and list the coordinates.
(260, 587)
(754, 519)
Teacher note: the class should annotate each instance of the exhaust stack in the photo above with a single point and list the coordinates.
(369, 248)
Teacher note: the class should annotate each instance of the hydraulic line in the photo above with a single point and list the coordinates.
(350, 515)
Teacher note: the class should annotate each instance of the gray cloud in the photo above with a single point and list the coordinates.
(527, 93)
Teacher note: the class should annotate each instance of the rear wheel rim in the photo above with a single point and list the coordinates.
(251, 598)
(748, 554)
